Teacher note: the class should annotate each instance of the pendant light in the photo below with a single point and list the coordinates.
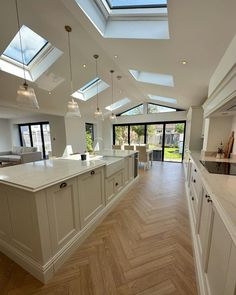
(98, 113)
(112, 116)
(25, 95)
(72, 106)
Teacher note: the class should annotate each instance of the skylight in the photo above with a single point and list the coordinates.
(118, 104)
(32, 44)
(153, 78)
(134, 111)
(154, 109)
(163, 99)
(123, 4)
(90, 89)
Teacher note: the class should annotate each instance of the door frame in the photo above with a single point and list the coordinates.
(164, 123)
(30, 134)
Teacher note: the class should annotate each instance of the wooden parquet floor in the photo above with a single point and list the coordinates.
(143, 247)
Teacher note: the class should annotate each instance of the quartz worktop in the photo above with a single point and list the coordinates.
(117, 153)
(41, 174)
(222, 190)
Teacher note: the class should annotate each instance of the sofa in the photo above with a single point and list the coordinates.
(20, 155)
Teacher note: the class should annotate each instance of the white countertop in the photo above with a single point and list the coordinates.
(117, 153)
(41, 174)
(222, 190)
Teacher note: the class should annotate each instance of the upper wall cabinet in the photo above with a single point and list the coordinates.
(222, 86)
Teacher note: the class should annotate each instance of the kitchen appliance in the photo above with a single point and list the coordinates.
(220, 167)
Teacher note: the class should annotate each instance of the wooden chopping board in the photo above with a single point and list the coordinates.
(229, 146)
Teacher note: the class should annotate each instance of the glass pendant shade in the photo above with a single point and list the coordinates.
(98, 114)
(73, 109)
(26, 97)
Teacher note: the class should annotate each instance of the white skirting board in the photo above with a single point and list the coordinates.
(46, 272)
(197, 259)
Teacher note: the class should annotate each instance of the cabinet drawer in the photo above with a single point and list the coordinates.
(196, 183)
(119, 181)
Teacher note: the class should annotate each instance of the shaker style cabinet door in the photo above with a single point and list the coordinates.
(217, 261)
(204, 226)
(91, 194)
(230, 287)
(63, 212)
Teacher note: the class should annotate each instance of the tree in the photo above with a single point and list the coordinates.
(179, 127)
(89, 142)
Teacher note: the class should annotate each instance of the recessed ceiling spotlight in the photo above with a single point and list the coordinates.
(184, 62)
(84, 65)
(115, 56)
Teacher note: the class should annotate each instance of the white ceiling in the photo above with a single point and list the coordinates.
(200, 32)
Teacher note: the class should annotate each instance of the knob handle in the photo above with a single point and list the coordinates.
(192, 198)
(207, 197)
(194, 180)
(63, 184)
(92, 172)
(195, 170)
(117, 183)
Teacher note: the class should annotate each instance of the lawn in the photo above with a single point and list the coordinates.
(172, 154)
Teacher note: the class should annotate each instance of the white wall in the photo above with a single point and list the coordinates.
(5, 135)
(76, 132)
(57, 130)
(147, 118)
(234, 129)
(217, 129)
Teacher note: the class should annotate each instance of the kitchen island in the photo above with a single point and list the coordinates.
(47, 208)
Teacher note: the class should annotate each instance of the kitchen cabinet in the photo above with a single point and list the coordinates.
(196, 191)
(204, 226)
(62, 200)
(113, 185)
(128, 169)
(91, 195)
(217, 260)
(230, 287)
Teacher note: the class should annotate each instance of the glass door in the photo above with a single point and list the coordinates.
(36, 135)
(47, 140)
(137, 133)
(25, 135)
(155, 140)
(173, 143)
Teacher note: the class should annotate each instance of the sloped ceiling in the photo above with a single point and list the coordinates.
(200, 32)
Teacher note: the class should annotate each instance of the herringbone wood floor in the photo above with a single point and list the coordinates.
(142, 247)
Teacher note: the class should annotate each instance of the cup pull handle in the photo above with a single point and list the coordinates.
(92, 172)
(63, 184)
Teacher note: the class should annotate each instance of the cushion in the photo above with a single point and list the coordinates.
(17, 150)
(10, 158)
(27, 149)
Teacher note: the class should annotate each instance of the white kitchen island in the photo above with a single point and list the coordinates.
(48, 208)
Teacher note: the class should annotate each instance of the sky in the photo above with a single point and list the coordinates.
(32, 43)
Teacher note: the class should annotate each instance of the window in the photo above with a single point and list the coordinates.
(89, 136)
(153, 78)
(162, 98)
(118, 104)
(134, 111)
(90, 89)
(38, 55)
(155, 108)
(166, 139)
(124, 4)
(36, 135)
(137, 133)
(121, 135)
(129, 19)
(32, 44)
